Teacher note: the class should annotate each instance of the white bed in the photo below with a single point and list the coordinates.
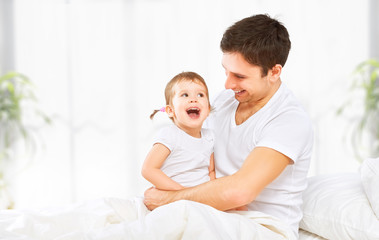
(343, 206)
(338, 206)
(305, 235)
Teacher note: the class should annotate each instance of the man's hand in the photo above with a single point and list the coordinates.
(155, 198)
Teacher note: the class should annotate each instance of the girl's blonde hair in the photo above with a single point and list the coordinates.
(181, 77)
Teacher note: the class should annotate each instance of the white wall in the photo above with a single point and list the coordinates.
(100, 68)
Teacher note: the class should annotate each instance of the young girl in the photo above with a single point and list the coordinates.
(182, 153)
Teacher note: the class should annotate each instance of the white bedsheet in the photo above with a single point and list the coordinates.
(129, 219)
(304, 235)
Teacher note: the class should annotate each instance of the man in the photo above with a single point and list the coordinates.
(263, 136)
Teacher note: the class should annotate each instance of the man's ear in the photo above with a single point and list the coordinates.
(275, 72)
(169, 111)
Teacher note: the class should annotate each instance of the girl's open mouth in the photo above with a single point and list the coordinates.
(193, 112)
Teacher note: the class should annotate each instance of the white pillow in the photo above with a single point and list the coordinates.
(336, 207)
(370, 181)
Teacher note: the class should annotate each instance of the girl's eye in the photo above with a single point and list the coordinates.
(200, 95)
(184, 95)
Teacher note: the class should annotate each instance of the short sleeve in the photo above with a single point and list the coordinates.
(290, 134)
(166, 136)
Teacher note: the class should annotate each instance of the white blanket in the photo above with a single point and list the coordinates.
(130, 219)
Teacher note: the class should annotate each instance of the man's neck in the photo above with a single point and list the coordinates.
(246, 110)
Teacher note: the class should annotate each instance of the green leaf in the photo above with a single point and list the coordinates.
(365, 79)
(15, 90)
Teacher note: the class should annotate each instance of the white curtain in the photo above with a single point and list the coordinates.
(100, 68)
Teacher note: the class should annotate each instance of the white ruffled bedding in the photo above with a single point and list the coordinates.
(336, 206)
(129, 219)
(305, 235)
(344, 205)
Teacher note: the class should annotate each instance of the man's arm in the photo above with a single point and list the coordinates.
(260, 168)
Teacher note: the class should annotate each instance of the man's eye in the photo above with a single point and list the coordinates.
(184, 95)
(239, 76)
(200, 95)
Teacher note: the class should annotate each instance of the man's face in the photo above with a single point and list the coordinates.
(245, 79)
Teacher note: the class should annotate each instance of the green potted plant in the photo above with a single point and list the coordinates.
(16, 99)
(365, 97)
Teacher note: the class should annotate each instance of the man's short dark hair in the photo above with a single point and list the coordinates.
(262, 41)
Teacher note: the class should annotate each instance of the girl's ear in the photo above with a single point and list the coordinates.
(169, 111)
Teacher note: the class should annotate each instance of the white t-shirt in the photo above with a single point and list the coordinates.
(188, 162)
(281, 124)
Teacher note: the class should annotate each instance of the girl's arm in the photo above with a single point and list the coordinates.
(212, 172)
(151, 169)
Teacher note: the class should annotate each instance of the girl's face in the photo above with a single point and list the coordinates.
(189, 106)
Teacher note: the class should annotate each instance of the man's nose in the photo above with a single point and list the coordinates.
(229, 82)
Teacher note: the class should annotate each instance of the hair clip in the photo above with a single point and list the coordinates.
(163, 109)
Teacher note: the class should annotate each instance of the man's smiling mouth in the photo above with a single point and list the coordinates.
(239, 92)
